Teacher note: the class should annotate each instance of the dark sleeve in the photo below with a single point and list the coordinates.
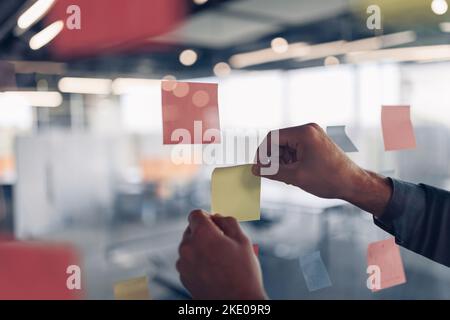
(418, 216)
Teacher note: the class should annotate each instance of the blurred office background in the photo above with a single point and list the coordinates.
(81, 154)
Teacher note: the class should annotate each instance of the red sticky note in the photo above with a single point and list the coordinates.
(190, 113)
(108, 26)
(398, 132)
(35, 271)
(256, 249)
(7, 76)
(386, 255)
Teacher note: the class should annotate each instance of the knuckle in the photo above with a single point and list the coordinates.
(313, 126)
(195, 214)
(178, 265)
(199, 231)
(230, 220)
(245, 240)
(184, 250)
(312, 130)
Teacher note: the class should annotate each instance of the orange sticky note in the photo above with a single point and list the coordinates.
(190, 113)
(386, 255)
(398, 131)
(132, 289)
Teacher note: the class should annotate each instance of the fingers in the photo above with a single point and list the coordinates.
(198, 234)
(230, 227)
(186, 234)
(196, 218)
(278, 145)
(200, 223)
(286, 146)
(286, 173)
(264, 150)
(292, 138)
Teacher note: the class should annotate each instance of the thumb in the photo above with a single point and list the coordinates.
(285, 172)
(229, 226)
(200, 223)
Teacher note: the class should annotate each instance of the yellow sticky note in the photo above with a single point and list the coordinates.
(235, 192)
(132, 289)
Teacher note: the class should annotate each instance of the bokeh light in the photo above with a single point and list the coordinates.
(279, 45)
(188, 57)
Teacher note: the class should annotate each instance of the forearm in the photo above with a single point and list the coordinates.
(370, 192)
(417, 215)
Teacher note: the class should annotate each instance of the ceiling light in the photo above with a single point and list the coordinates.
(169, 82)
(222, 69)
(331, 61)
(85, 85)
(445, 26)
(188, 57)
(279, 45)
(200, 2)
(242, 60)
(127, 85)
(43, 37)
(36, 98)
(42, 85)
(34, 13)
(304, 52)
(439, 7)
(423, 53)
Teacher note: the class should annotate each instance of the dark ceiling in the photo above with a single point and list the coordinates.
(341, 25)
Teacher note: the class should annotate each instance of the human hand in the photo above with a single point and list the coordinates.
(309, 159)
(217, 260)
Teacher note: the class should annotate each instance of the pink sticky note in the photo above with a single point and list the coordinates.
(100, 32)
(386, 255)
(37, 271)
(398, 132)
(190, 113)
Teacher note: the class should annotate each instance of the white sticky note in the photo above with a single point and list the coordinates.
(314, 271)
(338, 135)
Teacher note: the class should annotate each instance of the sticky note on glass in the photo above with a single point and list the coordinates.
(338, 135)
(314, 271)
(386, 255)
(190, 112)
(39, 271)
(7, 76)
(132, 289)
(235, 192)
(106, 26)
(398, 131)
